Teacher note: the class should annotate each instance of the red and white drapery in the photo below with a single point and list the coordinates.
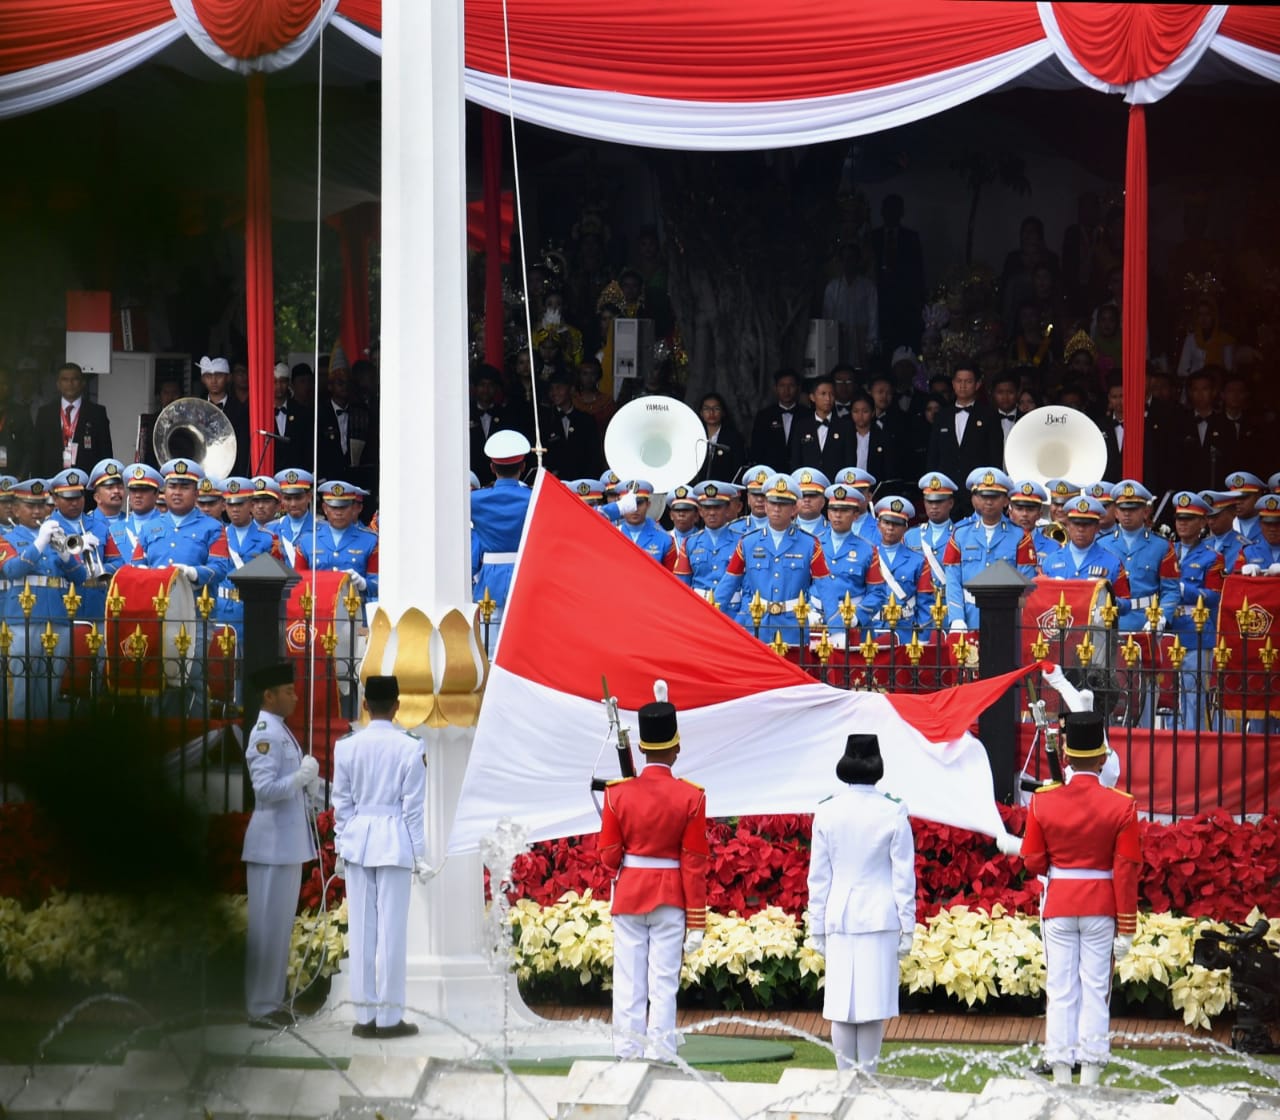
(694, 74)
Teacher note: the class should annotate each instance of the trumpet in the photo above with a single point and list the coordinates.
(68, 545)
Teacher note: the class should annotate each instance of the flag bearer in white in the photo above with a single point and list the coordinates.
(653, 836)
(276, 844)
(379, 784)
(1085, 838)
(862, 903)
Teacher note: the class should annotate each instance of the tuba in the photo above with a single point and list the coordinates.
(1055, 442)
(192, 428)
(659, 439)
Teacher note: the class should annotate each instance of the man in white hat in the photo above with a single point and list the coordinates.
(497, 517)
(291, 422)
(215, 376)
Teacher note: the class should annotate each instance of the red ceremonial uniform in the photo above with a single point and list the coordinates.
(1085, 825)
(657, 816)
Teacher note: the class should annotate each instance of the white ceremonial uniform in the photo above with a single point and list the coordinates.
(862, 895)
(379, 786)
(276, 845)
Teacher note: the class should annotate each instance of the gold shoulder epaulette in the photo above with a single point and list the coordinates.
(617, 781)
(1050, 785)
(694, 784)
(1121, 792)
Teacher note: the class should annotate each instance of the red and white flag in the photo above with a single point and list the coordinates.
(757, 732)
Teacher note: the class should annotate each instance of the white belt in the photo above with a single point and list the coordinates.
(1145, 601)
(630, 860)
(498, 558)
(4, 585)
(1078, 873)
(231, 593)
(379, 810)
(46, 581)
(777, 608)
(968, 598)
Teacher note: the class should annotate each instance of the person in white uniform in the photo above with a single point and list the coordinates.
(277, 843)
(379, 785)
(862, 903)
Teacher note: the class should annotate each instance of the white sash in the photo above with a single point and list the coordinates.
(939, 576)
(894, 585)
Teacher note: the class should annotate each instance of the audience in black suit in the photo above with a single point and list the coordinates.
(71, 431)
(821, 438)
(725, 454)
(966, 434)
(571, 436)
(900, 284)
(774, 426)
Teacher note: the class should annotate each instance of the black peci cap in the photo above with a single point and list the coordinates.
(382, 690)
(861, 763)
(272, 676)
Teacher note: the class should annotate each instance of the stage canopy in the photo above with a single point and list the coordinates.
(690, 74)
(694, 74)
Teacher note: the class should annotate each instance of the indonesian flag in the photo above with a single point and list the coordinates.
(757, 732)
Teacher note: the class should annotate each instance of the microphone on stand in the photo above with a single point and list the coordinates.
(262, 458)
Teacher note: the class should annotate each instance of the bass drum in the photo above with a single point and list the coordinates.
(150, 631)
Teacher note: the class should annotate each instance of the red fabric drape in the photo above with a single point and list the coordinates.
(476, 224)
(1121, 43)
(943, 716)
(1134, 311)
(35, 32)
(367, 13)
(494, 254)
(356, 228)
(1258, 27)
(741, 50)
(259, 282)
(249, 30)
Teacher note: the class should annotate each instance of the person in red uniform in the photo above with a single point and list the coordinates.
(653, 837)
(1083, 836)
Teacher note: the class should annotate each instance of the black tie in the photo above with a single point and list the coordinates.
(964, 408)
(822, 423)
(339, 411)
(1008, 416)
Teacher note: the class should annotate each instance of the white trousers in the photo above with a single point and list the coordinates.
(1077, 953)
(273, 901)
(647, 952)
(377, 941)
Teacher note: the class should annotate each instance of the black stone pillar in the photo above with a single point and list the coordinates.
(998, 592)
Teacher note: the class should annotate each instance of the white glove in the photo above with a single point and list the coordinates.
(1121, 945)
(627, 503)
(905, 941)
(357, 580)
(1247, 570)
(1074, 699)
(1274, 570)
(340, 868)
(1086, 699)
(420, 869)
(692, 940)
(188, 571)
(959, 628)
(1009, 844)
(45, 533)
(1055, 678)
(306, 772)
(90, 540)
(1158, 628)
(819, 943)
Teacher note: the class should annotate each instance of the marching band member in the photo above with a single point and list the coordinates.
(1084, 556)
(976, 546)
(266, 502)
(813, 488)
(1223, 538)
(1250, 488)
(590, 490)
(1262, 557)
(898, 571)
(682, 505)
(68, 489)
(1148, 558)
(641, 529)
(757, 509)
(931, 536)
(653, 837)
(1201, 571)
(706, 553)
(183, 537)
(497, 517)
(297, 521)
(848, 558)
(779, 562)
(1026, 503)
(245, 540)
(31, 564)
(341, 543)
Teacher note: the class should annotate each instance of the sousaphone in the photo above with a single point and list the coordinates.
(658, 439)
(1055, 442)
(192, 428)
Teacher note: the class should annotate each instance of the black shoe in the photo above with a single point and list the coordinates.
(400, 1030)
(365, 1030)
(1044, 1069)
(273, 1020)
